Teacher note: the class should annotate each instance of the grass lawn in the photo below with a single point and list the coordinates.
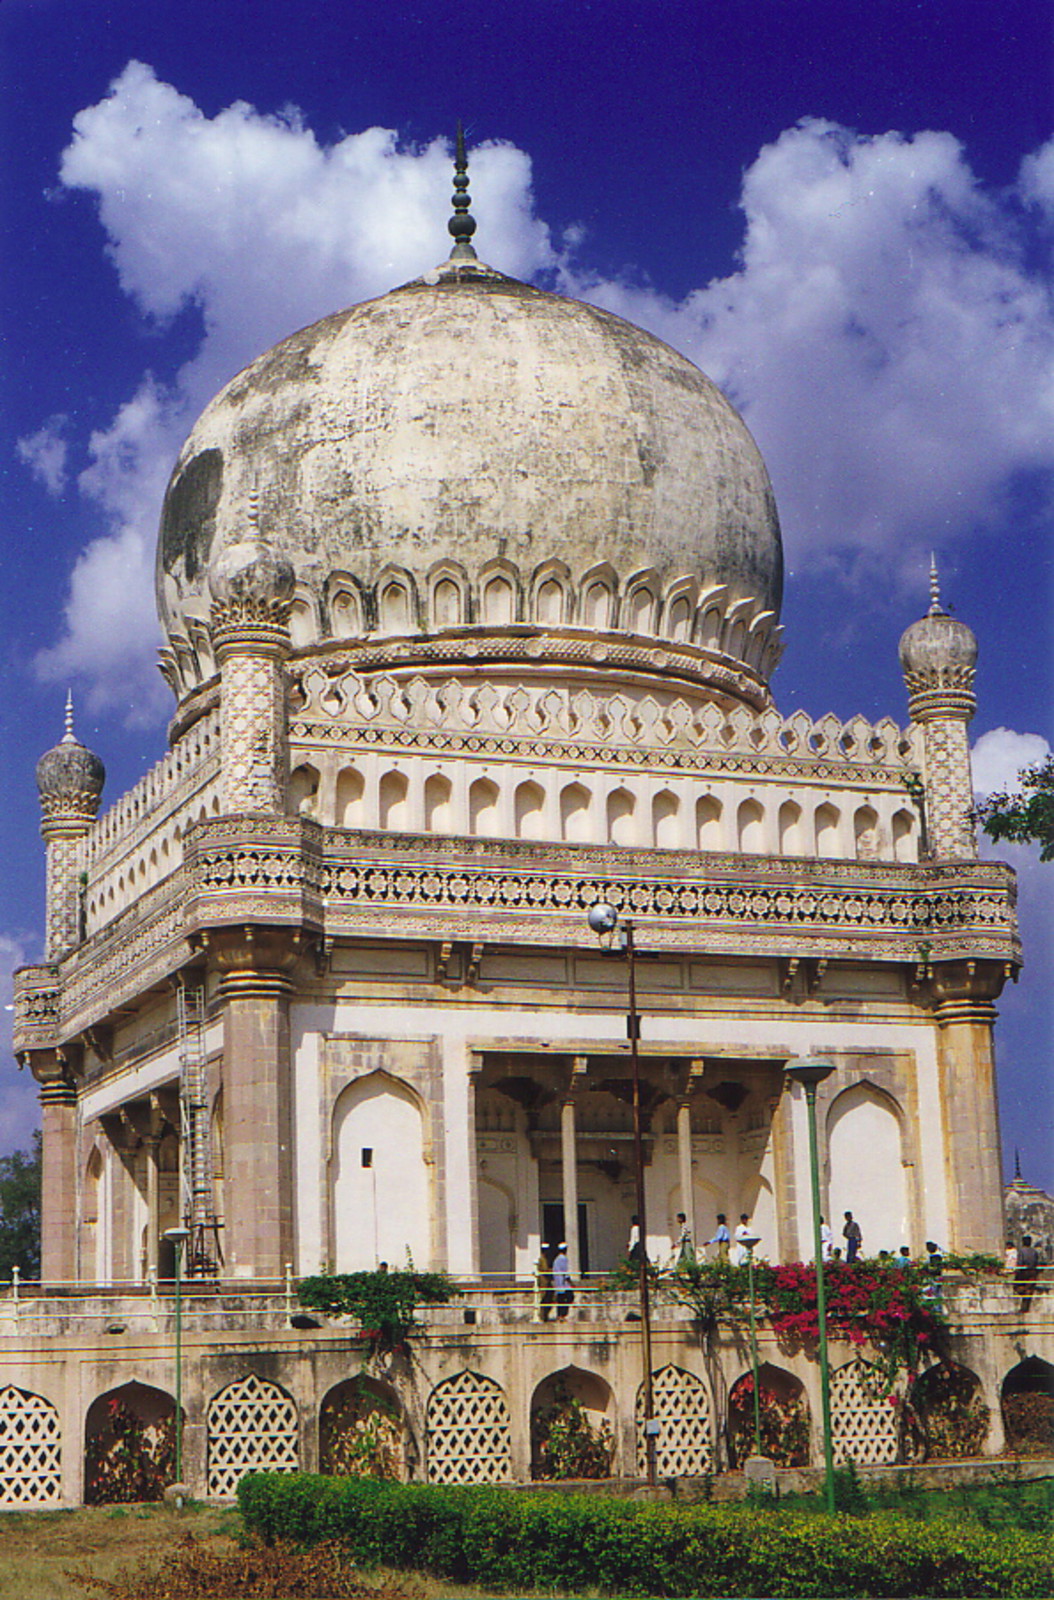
(38, 1547)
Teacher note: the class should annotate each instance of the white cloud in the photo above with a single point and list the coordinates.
(248, 218)
(44, 453)
(885, 341)
(999, 755)
(882, 337)
(1037, 177)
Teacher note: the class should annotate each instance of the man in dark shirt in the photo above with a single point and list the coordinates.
(1027, 1271)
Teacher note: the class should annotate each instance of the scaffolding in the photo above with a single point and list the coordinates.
(204, 1255)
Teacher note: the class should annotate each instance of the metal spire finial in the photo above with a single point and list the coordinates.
(936, 609)
(69, 737)
(1017, 1165)
(462, 224)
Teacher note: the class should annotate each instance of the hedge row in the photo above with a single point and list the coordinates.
(500, 1540)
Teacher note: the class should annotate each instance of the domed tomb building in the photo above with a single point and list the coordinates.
(471, 597)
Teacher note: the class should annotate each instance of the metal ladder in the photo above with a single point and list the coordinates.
(199, 1209)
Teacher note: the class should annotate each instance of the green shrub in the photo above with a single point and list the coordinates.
(499, 1539)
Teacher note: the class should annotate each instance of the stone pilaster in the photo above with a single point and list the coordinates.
(257, 1097)
(965, 1014)
(58, 1188)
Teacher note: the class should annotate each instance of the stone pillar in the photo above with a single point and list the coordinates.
(569, 1161)
(257, 1100)
(684, 1164)
(152, 1147)
(964, 992)
(250, 633)
(58, 1189)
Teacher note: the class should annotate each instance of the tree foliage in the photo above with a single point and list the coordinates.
(382, 1302)
(1024, 816)
(20, 1211)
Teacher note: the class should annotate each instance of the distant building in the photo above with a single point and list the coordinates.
(472, 597)
(1030, 1210)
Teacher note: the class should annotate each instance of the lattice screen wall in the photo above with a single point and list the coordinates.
(467, 1431)
(684, 1447)
(861, 1426)
(30, 1450)
(251, 1428)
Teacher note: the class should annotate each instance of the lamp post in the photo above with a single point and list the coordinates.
(809, 1074)
(604, 919)
(178, 1238)
(750, 1241)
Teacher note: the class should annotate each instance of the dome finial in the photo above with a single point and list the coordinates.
(462, 224)
(936, 609)
(69, 736)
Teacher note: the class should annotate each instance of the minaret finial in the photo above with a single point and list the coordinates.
(68, 736)
(1017, 1165)
(462, 224)
(936, 609)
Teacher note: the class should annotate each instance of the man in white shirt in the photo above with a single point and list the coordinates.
(743, 1231)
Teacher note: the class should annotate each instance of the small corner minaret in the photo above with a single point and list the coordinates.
(252, 588)
(938, 657)
(70, 781)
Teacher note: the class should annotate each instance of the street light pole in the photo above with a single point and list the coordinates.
(604, 919)
(809, 1074)
(750, 1241)
(178, 1238)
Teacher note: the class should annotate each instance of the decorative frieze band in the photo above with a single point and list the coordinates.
(290, 872)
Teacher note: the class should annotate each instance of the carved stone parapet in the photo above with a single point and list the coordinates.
(36, 1000)
(254, 869)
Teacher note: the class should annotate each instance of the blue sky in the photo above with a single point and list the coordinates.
(843, 211)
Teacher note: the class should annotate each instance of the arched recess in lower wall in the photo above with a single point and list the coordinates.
(379, 1177)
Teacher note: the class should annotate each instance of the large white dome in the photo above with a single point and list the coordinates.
(466, 432)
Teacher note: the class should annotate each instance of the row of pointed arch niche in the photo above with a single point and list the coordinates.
(252, 1424)
(122, 882)
(510, 801)
(645, 604)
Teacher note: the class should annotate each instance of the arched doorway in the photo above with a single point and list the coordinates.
(1028, 1407)
(783, 1413)
(129, 1445)
(363, 1433)
(947, 1419)
(572, 1418)
(875, 1191)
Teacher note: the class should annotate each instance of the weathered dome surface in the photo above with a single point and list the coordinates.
(70, 777)
(470, 422)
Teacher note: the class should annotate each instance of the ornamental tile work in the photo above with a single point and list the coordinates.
(949, 789)
(253, 733)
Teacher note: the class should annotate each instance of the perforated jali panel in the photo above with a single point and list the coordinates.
(468, 1439)
(684, 1447)
(861, 1426)
(251, 1428)
(30, 1459)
